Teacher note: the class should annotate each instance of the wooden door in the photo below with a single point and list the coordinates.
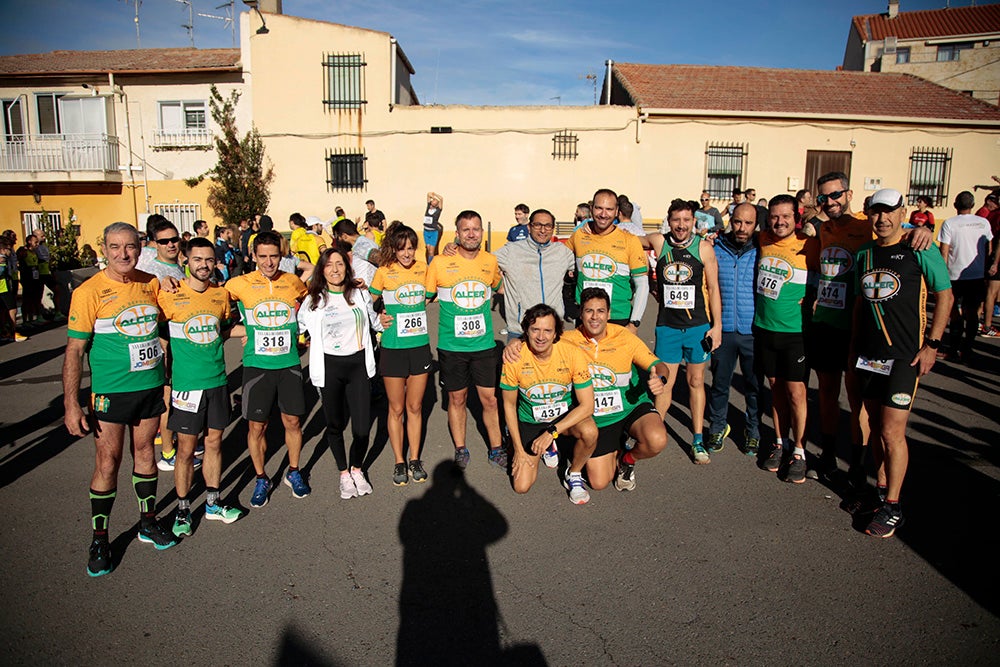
(819, 163)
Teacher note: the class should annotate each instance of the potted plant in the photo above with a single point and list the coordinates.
(69, 267)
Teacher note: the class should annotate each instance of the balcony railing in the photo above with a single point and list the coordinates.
(182, 138)
(59, 152)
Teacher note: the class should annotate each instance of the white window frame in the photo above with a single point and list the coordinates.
(183, 106)
(55, 106)
(182, 215)
(32, 220)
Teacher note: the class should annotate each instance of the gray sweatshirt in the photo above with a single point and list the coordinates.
(532, 274)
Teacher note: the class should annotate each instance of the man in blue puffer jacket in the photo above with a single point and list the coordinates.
(737, 257)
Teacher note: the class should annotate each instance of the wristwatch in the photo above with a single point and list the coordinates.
(554, 432)
(933, 343)
(636, 323)
(663, 379)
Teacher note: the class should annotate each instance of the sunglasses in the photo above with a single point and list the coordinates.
(836, 194)
(705, 199)
(172, 239)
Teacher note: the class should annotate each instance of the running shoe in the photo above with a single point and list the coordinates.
(751, 444)
(462, 458)
(625, 479)
(400, 476)
(222, 513)
(573, 481)
(700, 454)
(167, 464)
(716, 441)
(18, 338)
(796, 469)
(158, 441)
(157, 535)
(296, 482)
(886, 521)
(992, 332)
(773, 461)
(199, 449)
(417, 471)
(550, 457)
(100, 558)
(498, 457)
(182, 523)
(347, 488)
(261, 490)
(360, 483)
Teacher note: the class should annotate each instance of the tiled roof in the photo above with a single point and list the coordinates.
(124, 61)
(949, 22)
(810, 92)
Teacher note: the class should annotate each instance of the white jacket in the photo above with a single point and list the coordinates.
(312, 321)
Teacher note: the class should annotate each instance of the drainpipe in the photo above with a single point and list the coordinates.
(607, 91)
(392, 72)
(643, 117)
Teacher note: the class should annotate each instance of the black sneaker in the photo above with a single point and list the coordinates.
(796, 473)
(751, 444)
(823, 469)
(716, 441)
(400, 476)
(157, 535)
(886, 521)
(417, 471)
(100, 558)
(773, 461)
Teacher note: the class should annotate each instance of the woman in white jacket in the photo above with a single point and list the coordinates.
(338, 317)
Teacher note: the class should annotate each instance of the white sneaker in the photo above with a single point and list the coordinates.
(347, 488)
(363, 487)
(578, 494)
(550, 457)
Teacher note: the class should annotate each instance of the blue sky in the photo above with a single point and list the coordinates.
(491, 51)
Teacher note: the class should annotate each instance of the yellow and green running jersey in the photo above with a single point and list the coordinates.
(268, 310)
(608, 261)
(195, 321)
(465, 289)
(545, 388)
(785, 267)
(404, 295)
(612, 363)
(120, 321)
(839, 243)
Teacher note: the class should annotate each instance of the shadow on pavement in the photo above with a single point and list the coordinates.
(447, 611)
(26, 456)
(295, 651)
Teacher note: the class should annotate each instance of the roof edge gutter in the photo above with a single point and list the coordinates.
(104, 72)
(789, 115)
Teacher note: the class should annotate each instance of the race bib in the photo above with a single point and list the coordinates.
(412, 324)
(144, 356)
(769, 285)
(595, 283)
(878, 366)
(470, 326)
(187, 401)
(680, 297)
(428, 221)
(548, 411)
(832, 294)
(607, 403)
(272, 342)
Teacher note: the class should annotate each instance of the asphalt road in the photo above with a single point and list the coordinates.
(717, 564)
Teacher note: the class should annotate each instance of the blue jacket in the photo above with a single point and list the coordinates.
(737, 282)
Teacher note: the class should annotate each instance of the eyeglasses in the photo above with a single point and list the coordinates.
(831, 196)
(172, 239)
(704, 199)
(539, 225)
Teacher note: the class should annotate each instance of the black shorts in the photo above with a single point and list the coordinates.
(780, 355)
(261, 386)
(827, 348)
(529, 431)
(128, 407)
(212, 410)
(895, 390)
(460, 369)
(610, 438)
(8, 300)
(403, 363)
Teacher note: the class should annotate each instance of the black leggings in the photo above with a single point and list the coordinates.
(347, 393)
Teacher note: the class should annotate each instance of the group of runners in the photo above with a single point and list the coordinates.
(592, 399)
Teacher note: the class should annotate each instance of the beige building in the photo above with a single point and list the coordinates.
(956, 47)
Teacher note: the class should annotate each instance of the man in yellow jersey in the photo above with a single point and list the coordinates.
(268, 300)
(548, 392)
(198, 321)
(464, 284)
(113, 316)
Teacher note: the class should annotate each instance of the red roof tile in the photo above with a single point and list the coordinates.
(949, 22)
(812, 92)
(123, 61)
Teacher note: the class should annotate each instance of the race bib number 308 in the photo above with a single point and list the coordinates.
(470, 326)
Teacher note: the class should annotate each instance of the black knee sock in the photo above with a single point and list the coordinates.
(101, 503)
(145, 491)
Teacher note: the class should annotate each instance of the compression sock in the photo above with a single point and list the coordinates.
(184, 504)
(697, 439)
(101, 503)
(145, 491)
(212, 495)
(628, 459)
(170, 454)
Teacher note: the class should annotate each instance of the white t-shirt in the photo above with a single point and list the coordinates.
(968, 237)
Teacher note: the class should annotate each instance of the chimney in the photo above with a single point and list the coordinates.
(270, 6)
(893, 8)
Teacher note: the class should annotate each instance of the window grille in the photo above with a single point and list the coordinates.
(344, 81)
(346, 170)
(725, 169)
(930, 172)
(182, 215)
(564, 145)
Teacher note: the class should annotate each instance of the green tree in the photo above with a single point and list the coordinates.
(239, 183)
(63, 243)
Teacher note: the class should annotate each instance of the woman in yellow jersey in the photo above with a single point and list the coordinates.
(405, 358)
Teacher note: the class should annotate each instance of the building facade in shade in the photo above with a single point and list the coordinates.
(342, 123)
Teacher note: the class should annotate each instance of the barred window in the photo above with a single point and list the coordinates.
(182, 215)
(725, 169)
(930, 172)
(346, 170)
(344, 80)
(564, 145)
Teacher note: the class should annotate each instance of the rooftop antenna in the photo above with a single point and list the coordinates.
(227, 20)
(590, 76)
(189, 26)
(137, 3)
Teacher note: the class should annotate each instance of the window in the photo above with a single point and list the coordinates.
(564, 145)
(930, 171)
(182, 116)
(48, 113)
(725, 169)
(32, 220)
(344, 81)
(947, 52)
(346, 170)
(902, 55)
(182, 215)
(13, 121)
